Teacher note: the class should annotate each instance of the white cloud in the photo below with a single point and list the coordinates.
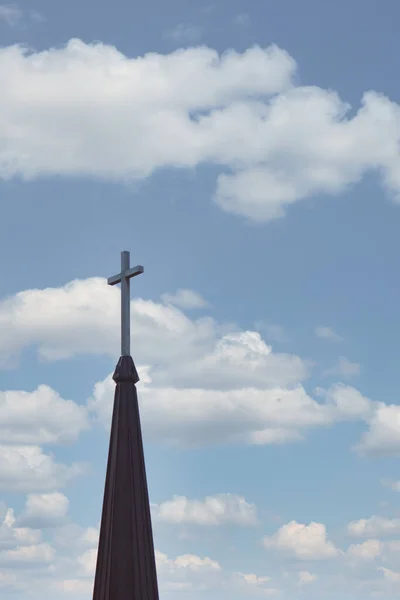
(186, 561)
(213, 510)
(183, 573)
(87, 562)
(36, 554)
(344, 368)
(73, 587)
(374, 527)
(245, 415)
(348, 402)
(327, 333)
(252, 579)
(39, 417)
(239, 359)
(185, 299)
(383, 436)
(11, 14)
(187, 572)
(274, 142)
(28, 469)
(82, 317)
(7, 579)
(305, 542)
(390, 575)
(184, 33)
(71, 129)
(368, 550)
(305, 577)
(44, 510)
(13, 536)
(254, 583)
(71, 569)
(202, 382)
(74, 536)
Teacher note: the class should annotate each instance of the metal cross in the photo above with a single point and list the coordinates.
(124, 279)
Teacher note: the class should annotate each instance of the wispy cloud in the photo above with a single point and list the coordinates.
(13, 15)
(328, 333)
(344, 368)
(242, 20)
(185, 33)
(36, 16)
(185, 299)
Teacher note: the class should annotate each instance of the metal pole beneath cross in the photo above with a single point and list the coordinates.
(124, 278)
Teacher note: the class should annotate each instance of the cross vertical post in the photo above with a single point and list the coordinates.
(125, 307)
(124, 279)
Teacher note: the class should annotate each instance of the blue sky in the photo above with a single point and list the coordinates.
(247, 154)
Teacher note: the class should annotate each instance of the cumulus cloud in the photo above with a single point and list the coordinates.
(213, 510)
(245, 415)
(28, 555)
(201, 381)
(367, 551)
(21, 545)
(74, 536)
(239, 359)
(252, 579)
(185, 299)
(187, 561)
(13, 536)
(187, 572)
(375, 527)
(383, 435)
(274, 142)
(183, 573)
(87, 562)
(254, 584)
(82, 317)
(44, 510)
(349, 402)
(305, 577)
(28, 469)
(39, 417)
(73, 587)
(305, 542)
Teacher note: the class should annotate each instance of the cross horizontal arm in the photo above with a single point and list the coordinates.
(126, 275)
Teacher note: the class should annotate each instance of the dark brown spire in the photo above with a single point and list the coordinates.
(126, 568)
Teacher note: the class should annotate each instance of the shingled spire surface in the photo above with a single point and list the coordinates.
(126, 566)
